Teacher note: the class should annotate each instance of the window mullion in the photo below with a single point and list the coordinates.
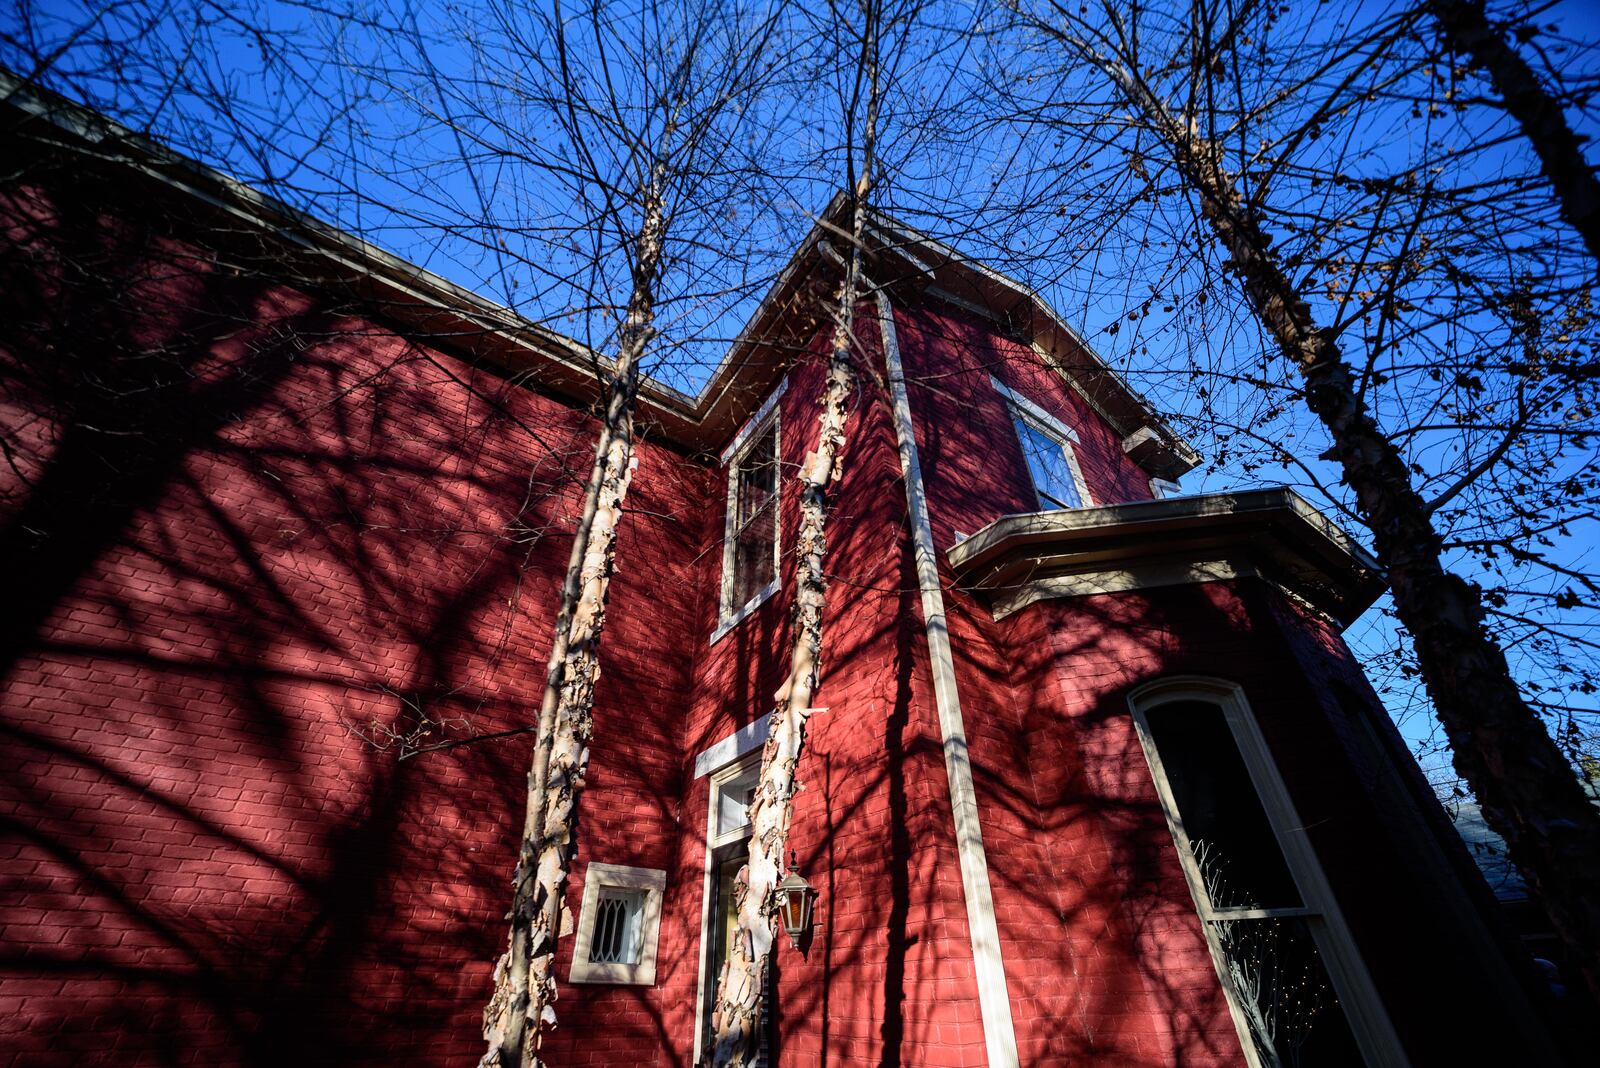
(1215, 915)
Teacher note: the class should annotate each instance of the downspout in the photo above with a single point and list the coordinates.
(994, 1000)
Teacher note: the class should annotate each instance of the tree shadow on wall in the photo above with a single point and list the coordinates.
(1104, 958)
(1118, 972)
(252, 532)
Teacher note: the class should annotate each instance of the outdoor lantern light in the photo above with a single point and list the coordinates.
(794, 904)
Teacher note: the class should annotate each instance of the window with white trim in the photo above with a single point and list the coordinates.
(1296, 987)
(750, 541)
(1161, 488)
(618, 925)
(1047, 450)
(727, 848)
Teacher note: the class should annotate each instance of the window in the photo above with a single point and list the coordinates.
(733, 804)
(1047, 450)
(1165, 487)
(728, 827)
(750, 545)
(1297, 989)
(618, 923)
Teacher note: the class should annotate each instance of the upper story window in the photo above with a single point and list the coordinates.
(753, 518)
(750, 544)
(1047, 447)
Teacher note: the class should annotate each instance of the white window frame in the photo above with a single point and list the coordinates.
(745, 760)
(598, 877)
(1163, 488)
(730, 615)
(1369, 1022)
(1021, 408)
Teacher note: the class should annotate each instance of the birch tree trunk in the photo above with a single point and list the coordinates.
(1525, 785)
(1464, 25)
(522, 1006)
(736, 1018)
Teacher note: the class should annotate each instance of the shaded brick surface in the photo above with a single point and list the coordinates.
(289, 530)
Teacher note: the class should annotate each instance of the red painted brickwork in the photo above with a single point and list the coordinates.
(327, 528)
(1076, 841)
(1103, 955)
(254, 529)
(887, 977)
(971, 459)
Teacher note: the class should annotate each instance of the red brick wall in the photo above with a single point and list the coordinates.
(247, 525)
(1068, 804)
(321, 527)
(887, 977)
(971, 459)
(1103, 952)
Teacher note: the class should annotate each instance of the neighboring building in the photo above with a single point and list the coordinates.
(1522, 912)
(1094, 761)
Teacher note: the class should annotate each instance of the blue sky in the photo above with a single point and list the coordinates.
(342, 119)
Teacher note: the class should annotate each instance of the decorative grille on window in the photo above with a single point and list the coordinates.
(619, 918)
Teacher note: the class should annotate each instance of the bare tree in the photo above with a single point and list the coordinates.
(1468, 31)
(1177, 78)
(653, 143)
(736, 1018)
(593, 160)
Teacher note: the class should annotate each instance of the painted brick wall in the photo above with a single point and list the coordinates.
(1104, 956)
(270, 531)
(887, 977)
(971, 460)
(289, 530)
(1069, 804)
(1102, 951)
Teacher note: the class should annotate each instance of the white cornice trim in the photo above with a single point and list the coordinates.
(994, 998)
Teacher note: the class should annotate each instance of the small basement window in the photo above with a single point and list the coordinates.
(618, 927)
(618, 924)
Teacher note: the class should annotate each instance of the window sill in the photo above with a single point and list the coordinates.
(729, 622)
(610, 975)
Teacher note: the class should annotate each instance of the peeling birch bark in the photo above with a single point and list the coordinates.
(737, 1015)
(522, 1007)
(1527, 789)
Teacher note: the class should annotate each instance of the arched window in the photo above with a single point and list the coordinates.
(1296, 986)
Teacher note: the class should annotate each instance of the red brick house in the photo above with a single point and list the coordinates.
(1099, 781)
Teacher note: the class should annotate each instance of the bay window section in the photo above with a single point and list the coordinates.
(1295, 984)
